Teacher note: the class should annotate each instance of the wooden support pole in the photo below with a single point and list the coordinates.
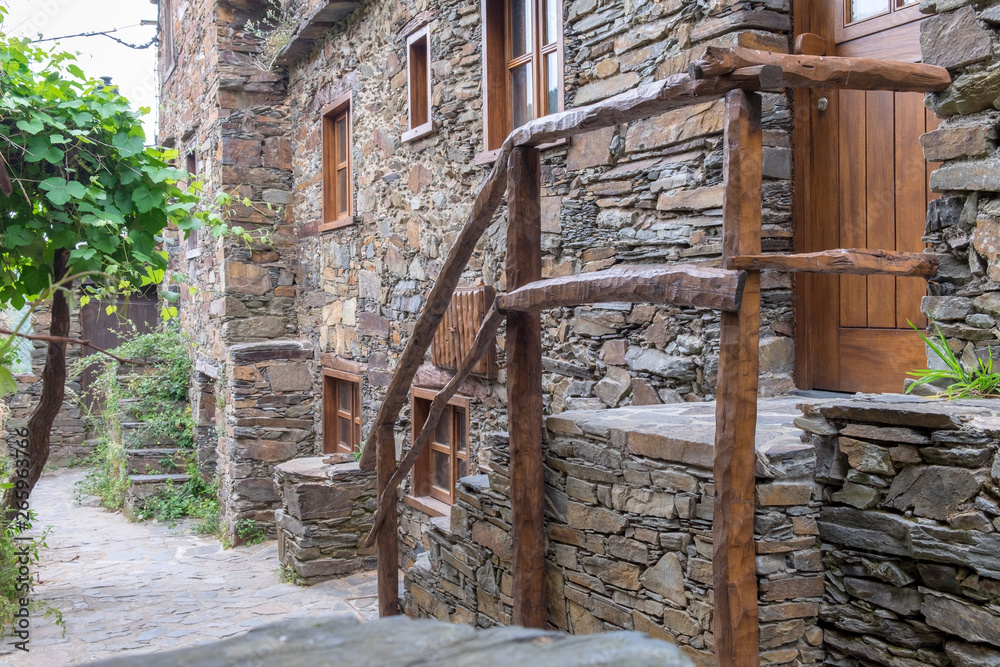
(524, 390)
(737, 636)
(388, 545)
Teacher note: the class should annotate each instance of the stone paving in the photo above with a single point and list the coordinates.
(132, 588)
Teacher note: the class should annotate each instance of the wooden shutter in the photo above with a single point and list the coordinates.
(458, 329)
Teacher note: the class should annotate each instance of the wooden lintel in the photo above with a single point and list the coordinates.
(802, 71)
(859, 262)
(699, 287)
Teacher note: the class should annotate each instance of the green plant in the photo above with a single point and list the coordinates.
(288, 575)
(248, 531)
(963, 381)
(194, 498)
(19, 552)
(274, 33)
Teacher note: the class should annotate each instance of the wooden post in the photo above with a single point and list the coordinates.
(524, 390)
(388, 546)
(737, 636)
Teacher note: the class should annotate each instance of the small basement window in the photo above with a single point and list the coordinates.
(338, 181)
(341, 412)
(418, 77)
(446, 458)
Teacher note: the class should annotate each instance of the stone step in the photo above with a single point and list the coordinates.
(135, 436)
(142, 487)
(158, 460)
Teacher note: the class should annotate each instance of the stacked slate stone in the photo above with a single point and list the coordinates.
(964, 224)
(268, 420)
(909, 530)
(629, 519)
(326, 509)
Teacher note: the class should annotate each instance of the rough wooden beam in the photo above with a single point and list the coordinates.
(737, 635)
(802, 71)
(695, 286)
(524, 391)
(484, 339)
(388, 540)
(858, 261)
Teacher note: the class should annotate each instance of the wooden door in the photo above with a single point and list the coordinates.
(862, 184)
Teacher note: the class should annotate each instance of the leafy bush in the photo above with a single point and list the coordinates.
(961, 381)
(157, 393)
(248, 531)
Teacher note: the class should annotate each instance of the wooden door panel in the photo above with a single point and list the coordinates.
(853, 212)
(870, 180)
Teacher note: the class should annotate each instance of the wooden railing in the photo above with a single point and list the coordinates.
(734, 289)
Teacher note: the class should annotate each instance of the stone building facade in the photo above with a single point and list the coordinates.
(305, 301)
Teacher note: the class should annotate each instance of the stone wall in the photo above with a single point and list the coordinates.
(629, 519)
(68, 437)
(911, 505)
(964, 224)
(326, 509)
(268, 420)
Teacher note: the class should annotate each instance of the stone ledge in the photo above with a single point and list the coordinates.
(313, 28)
(400, 640)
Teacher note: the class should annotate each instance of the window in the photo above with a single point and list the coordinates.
(418, 78)
(862, 10)
(194, 240)
(338, 183)
(341, 412)
(166, 27)
(523, 64)
(446, 458)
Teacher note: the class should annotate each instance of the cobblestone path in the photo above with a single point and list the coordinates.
(131, 588)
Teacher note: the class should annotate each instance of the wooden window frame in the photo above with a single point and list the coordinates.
(898, 14)
(418, 85)
(497, 109)
(330, 114)
(422, 478)
(332, 413)
(166, 30)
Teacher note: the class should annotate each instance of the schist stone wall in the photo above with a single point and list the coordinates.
(68, 438)
(629, 519)
(964, 224)
(649, 191)
(268, 420)
(876, 530)
(911, 506)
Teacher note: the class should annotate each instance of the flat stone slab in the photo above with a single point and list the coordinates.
(402, 641)
(682, 432)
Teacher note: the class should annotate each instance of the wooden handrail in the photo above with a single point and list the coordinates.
(716, 74)
(858, 261)
(679, 285)
(802, 71)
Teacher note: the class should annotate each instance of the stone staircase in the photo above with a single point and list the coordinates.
(155, 462)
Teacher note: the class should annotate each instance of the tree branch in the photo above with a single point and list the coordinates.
(74, 341)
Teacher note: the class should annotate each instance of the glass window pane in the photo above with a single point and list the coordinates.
(442, 472)
(342, 197)
(342, 140)
(344, 389)
(460, 429)
(552, 9)
(442, 434)
(551, 83)
(521, 29)
(865, 9)
(462, 468)
(522, 95)
(344, 431)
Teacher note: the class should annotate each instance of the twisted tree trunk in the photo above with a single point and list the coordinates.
(53, 383)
